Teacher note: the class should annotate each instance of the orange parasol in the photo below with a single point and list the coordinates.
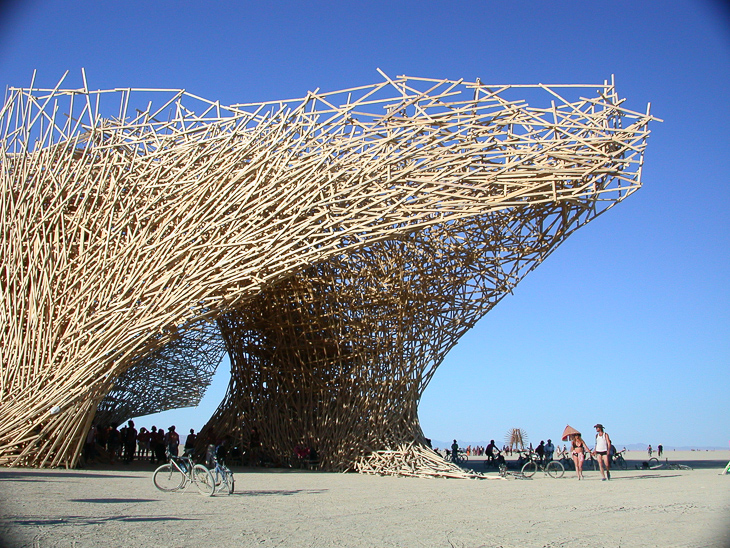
(569, 431)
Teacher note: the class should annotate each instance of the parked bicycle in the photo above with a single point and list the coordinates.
(504, 472)
(566, 459)
(460, 458)
(618, 460)
(656, 464)
(181, 472)
(222, 476)
(554, 468)
(495, 462)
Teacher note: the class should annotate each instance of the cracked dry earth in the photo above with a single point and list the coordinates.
(121, 508)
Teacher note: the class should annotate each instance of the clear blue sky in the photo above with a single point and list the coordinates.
(627, 323)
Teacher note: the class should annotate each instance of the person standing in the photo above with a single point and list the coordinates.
(130, 442)
(90, 446)
(112, 443)
(172, 440)
(549, 450)
(254, 447)
(540, 450)
(158, 445)
(190, 443)
(601, 450)
(143, 442)
(454, 451)
(659, 450)
(578, 450)
(649, 450)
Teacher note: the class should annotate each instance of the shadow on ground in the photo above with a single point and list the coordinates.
(281, 492)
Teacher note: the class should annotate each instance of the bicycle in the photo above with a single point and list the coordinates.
(222, 477)
(619, 461)
(458, 459)
(564, 458)
(554, 468)
(590, 462)
(495, 462)
(504, 472)
(181, 472)
(655, 464)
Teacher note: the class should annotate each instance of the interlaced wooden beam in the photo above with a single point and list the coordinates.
(131, 217)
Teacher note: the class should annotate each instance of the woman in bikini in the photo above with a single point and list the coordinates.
(578, 451)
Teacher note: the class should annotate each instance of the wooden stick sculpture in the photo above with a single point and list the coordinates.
(338, 245)
(516, 439)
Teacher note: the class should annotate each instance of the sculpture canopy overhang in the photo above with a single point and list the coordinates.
(335, 246)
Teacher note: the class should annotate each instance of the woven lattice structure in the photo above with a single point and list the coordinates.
(341, 243)
(174, 376)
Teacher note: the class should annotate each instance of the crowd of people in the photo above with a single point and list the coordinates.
(112, 444)
(127, 443)
(603, 451)
(493, 452)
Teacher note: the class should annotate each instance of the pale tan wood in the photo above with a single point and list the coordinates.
(336, 246)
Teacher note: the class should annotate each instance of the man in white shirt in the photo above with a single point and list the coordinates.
(549, 450)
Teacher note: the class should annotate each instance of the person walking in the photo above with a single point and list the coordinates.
(601, 450)
(578, 450)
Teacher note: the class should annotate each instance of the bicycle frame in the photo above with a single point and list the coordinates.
(222, 476)
(180, 472)
(553, 468)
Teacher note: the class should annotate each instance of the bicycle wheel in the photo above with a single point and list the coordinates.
(224, 480)
(203, 480)
(529, 469)
(555, 469)
(621, 463)
(229, 479)
(230, 482)
(653, 462)
(168, 478)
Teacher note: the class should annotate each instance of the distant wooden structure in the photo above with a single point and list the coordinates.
(516, 439)
(336, 246)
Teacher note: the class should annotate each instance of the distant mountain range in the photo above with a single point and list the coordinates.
(631, 446)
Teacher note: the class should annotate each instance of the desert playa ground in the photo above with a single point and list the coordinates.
(119, 507)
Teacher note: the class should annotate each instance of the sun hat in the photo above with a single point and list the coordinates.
(569, 431)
